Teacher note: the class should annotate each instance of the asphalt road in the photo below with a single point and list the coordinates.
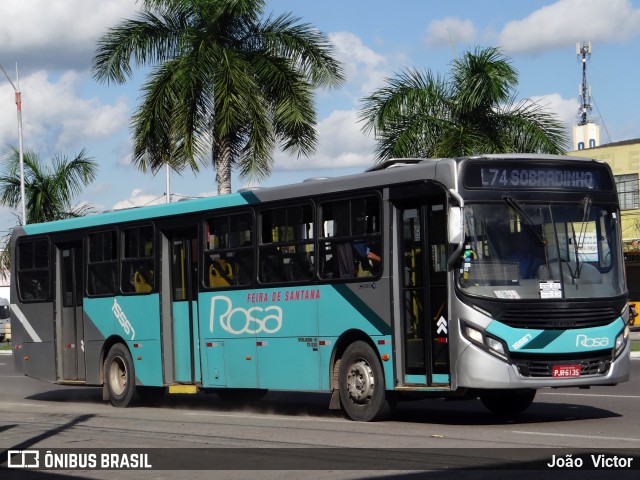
(35, 414)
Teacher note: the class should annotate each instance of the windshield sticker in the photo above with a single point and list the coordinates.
(512, 294)
(550, 289)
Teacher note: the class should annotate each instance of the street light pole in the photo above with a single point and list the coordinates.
(19, 106)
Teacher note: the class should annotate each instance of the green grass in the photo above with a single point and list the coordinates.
(5, 346)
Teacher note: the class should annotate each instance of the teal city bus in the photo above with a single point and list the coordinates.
(459, 278)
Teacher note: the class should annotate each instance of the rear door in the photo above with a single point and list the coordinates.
(184, 304)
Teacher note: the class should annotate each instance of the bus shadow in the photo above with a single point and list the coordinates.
(472, 412)
(78, 395)
(434, 411)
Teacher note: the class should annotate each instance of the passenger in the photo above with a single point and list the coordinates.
(364, 251)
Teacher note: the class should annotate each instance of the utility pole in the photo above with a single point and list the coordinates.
(16, 89)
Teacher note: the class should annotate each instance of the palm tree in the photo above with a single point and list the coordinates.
(49, 189)
(223, 79)
(419, 114)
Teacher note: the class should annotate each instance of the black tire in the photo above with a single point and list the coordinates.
(507, 402)
(120, 376)
(361, 384)
(241, 396)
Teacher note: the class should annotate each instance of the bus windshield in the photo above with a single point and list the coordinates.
(546, 251)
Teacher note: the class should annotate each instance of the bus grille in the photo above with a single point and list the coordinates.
(541, 368)
(559, 319)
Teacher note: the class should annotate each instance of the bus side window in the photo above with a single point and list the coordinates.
(102, 263)
(228, 255)
(33, 270)
(286, 252)
(350, 238)
(137, 260)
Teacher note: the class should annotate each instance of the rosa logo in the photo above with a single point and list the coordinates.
(591, 342)
(240, 320)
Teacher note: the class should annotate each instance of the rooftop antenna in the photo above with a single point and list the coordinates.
(583, 50)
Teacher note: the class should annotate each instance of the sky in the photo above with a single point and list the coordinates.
(64, 110)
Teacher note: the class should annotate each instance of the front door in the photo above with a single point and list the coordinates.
(184, 305)
(69, 297)
(424, 293)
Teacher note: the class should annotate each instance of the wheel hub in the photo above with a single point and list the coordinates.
(360, 382)
(118, 376)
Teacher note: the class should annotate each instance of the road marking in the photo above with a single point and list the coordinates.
(22, 404)
(568, 435)
(590, 395)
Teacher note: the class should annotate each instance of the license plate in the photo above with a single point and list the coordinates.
(565, 371)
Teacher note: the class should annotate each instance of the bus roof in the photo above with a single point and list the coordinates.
(389, 172)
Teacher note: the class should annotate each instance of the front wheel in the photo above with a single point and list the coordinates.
(361, 384)
(120, 376)
(507, 402)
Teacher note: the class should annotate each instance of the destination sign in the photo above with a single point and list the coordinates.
(536, 177)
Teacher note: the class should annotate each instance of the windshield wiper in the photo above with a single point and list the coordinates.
(586, 210)
(526, 219)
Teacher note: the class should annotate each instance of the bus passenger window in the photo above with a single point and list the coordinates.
(286, 252)
(33, 270)
(102, 263)
(228, 255)
(350, 239)
(137, 260)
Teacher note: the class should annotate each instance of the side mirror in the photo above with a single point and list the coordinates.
(454, 226)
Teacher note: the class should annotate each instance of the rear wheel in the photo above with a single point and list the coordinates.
(507, 402)
(361, 384)
(120, 376)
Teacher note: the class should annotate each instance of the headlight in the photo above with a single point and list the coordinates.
(621, 340)
(473, 334)
(496, 346)
(493, 345)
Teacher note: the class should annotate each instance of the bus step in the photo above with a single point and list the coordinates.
(179, 389)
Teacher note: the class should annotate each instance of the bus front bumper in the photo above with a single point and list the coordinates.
(478, 369)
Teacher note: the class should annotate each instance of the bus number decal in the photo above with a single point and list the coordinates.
(122, 319)
(244, 318)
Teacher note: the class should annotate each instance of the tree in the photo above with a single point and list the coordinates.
(474, 110)
(222, 79)
(49, 189)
